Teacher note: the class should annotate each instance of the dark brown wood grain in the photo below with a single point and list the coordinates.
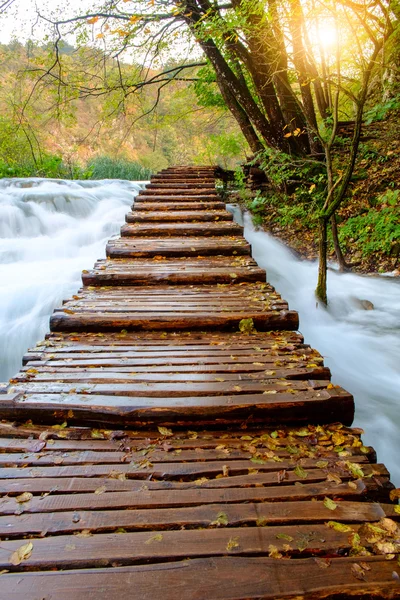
(225, 578)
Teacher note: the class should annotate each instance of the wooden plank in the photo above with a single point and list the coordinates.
(184, 186)
(142, 197)
(124, 374)
(145, 498)
(171, 190)
(71, 552)
(138, 216)
(139, 275)
(219, 578)
(244, 514)
(278, 320)
(131, 385)
(321, 406)
(92, 484)
(178, 206)
(181, 229)
(132, 248)
(91, 465)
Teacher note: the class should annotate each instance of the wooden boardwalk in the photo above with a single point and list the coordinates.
(173, 437)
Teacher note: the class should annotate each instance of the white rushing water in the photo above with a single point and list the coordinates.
(49, 231)
(361, 347)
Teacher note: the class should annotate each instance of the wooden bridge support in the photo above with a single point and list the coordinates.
(174, 437)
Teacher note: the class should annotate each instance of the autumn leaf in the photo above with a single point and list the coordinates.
(85, 533)
(300, 472)
(273, 552)
(246, 326)
(25, 497)
(232, 544)
(165, 431)
(221, 520)
(357, 571)
(334, 478)
(100, 490)
(201, 481)
(154, 538)
(323, 563)
(395, 494)
(339, 527)
(258, 460)
(284, 536)
(328, 503)
(23, 553)
(355, 469)
(91, 21)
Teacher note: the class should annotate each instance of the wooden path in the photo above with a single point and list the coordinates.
(173, 437)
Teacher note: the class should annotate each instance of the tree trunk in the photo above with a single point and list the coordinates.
(266, 62)
(242, 119)
(338, 251)
(303, 74)
(321, 289)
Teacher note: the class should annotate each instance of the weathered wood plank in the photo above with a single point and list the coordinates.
(193, 497)
(244, 514)
(225, 578)
(138, 216)
(71, 552)
(147, 205)
(182, 229)
(175, 246)
(317, 406)
(142, 197)
(256, 479)
(278, 320)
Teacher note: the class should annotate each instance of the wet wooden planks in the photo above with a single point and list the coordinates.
(170, 377)
(296, 504)
(174, 435)
(177, 247)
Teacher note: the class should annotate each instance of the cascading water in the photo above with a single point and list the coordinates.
(361, 347)
(49, 231)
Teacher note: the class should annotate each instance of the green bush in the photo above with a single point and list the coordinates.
(49, 165)
(373, 231)
(105, 167)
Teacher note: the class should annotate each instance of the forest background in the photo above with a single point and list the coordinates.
(309, 90)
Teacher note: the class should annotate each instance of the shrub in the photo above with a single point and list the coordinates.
(105, 167)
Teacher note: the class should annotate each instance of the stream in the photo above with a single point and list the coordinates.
(51, 229)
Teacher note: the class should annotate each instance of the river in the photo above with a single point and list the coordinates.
(50, 230)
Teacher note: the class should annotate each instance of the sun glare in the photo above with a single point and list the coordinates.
(327, 35)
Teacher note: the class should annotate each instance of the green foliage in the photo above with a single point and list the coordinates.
(286, 173)
(48, 165)
(105, 167)
(288, 214)
(206, 89)
(375, 230)
(381, 110)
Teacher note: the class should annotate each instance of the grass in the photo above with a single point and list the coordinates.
(105, 167)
